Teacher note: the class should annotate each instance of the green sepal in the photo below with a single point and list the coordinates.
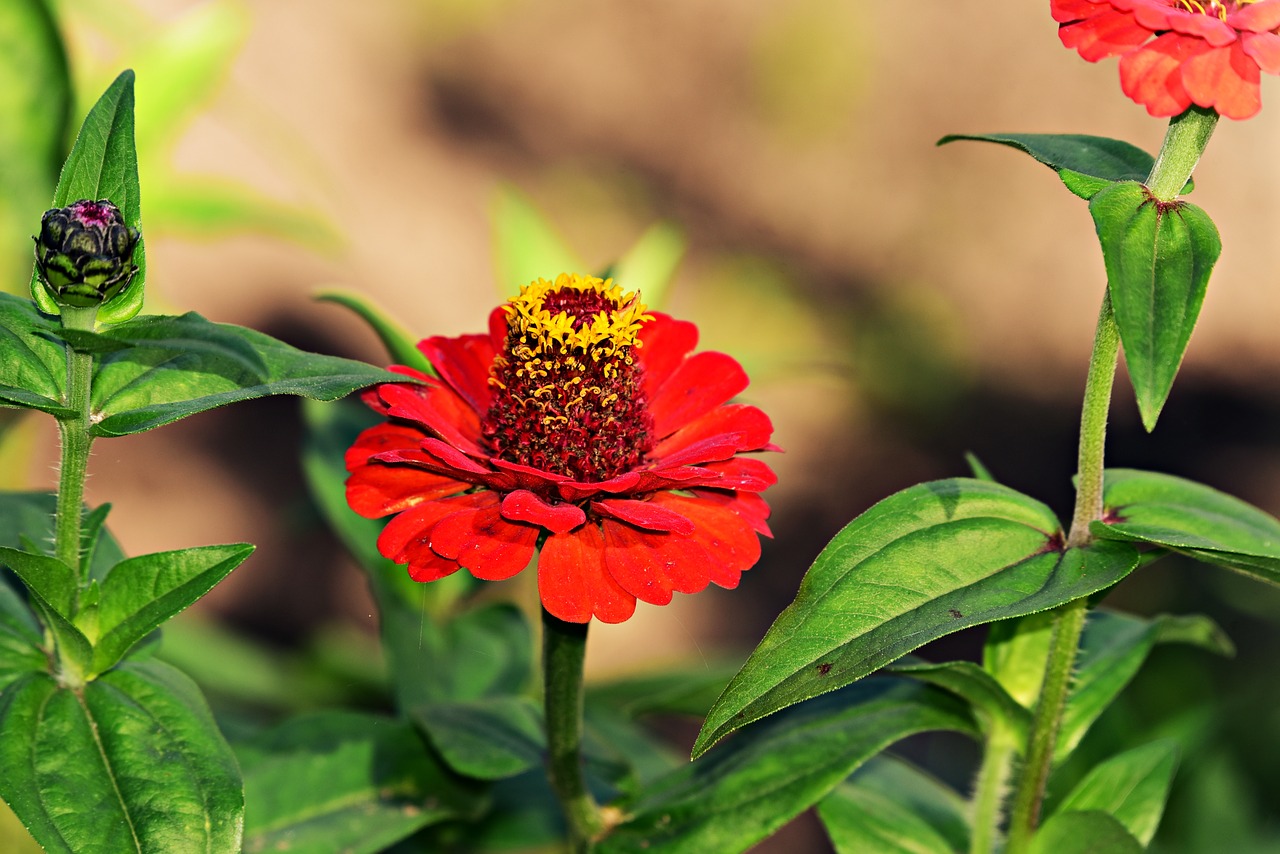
(344, 781)
(1132, 787)
(1191, 519)
(921, 564)
(103, 164)
(1086, 164)
(1158, 257)
(130, 762)
(747, 788)
(140, 593)
(400, 345)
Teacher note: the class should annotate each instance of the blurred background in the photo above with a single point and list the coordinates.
(896, 304)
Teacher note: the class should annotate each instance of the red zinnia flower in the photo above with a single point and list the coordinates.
(580, 427)
(1205, 52)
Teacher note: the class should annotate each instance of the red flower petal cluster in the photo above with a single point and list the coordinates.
(1175, 53)
(580, 428)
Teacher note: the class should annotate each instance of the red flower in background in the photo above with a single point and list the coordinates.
(1175, 53)
(579, 427)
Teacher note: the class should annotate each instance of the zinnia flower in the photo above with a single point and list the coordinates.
(1204, 52)
(580, 427)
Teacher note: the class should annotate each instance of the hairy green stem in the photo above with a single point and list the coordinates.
(1184, 143)
(73, 430)
(989, 791)
(564, 647)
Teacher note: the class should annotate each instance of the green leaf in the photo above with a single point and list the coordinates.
(342, 781)
(489, 739)
(179, 366)
(135, 763)
(527, 246)
(674, 691)
(103, 164)
(1192, 519)
(921, 564)
(1113, 649)
(992, 706)
(47, 577)
(650, 264)
(20, 640)
(1086, 164)
(980, 471)
(1015, 653)
(142, 592)
(1084, 833)
(891, 807)
(1158, 256)
(35, 105)
(1132, 787)
(400, 345)
(30, 515)
(33, 365)
(748, 788)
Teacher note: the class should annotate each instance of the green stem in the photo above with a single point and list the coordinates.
(564, 647)
(76, 443)
(989, 791)
(1184, 143)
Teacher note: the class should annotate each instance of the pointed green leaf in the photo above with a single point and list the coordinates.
(33, 365)
(1113, 649)
(921, 564)
(891, 807)
(992, 706)
(1158, 256)
(341, 781)
(142, 592)
(47, 577)
(179, 366)
(35, 104)
(650, 264)
(749, 787)
(488, 739)
(103, 164)
(1084, 833)
(1192, 519)
(133, 764)
(400, 345)
(1132, 787)
(1015, 653)
(20, 640)
(527, 245)
(1086, 164)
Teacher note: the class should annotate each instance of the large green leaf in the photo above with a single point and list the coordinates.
(1132, 787)
(891, 807)
(1158, 256)
(926, 562)
(33, 365)
(341, 781)
(103, 164)
(992, 706)
(142, 592)
(1190, 518)
(1086, 164)
(20, 641)
(179, 366)
(1015, 652)
(47, 577)
(674, 691)
(1113, 649)
(489, 739)
(132, 762)
(35, 103)
(1093, 832)
(749, 787)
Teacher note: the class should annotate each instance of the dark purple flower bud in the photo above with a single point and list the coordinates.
(84, 254)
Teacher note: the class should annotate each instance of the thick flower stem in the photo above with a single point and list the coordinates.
(76, 441)
(989, 791)
(564, 647)
(1184, 143)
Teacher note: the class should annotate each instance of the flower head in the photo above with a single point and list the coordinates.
(580, 427)
(84, 254)
(1175, 53)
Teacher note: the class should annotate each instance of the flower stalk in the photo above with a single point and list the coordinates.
(76, 441)
(564, 647)
(1184, 143)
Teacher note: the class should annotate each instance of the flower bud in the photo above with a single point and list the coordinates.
(84, 254)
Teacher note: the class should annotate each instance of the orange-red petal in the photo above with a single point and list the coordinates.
(700, 383)
(463, 363)
(650, 565)
(730, 543)
(573, 583)
(486, 544)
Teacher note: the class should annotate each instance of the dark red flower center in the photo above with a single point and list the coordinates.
(568, 394)
(91, 213)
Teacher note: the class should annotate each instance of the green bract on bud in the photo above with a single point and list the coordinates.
(84, 254)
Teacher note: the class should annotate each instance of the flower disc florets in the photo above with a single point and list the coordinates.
(1176, 53)
(84, 254)
(583, 429)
